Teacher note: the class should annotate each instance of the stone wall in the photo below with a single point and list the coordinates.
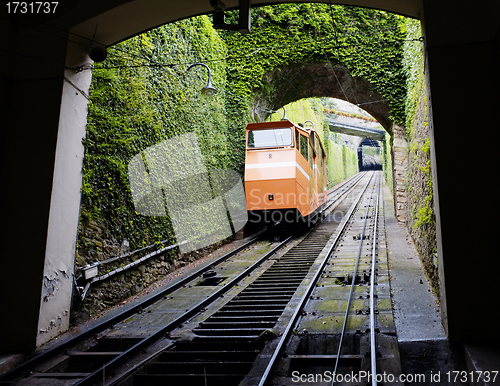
(413, 197)
(400, 167)
(95, 246)
(421, 221)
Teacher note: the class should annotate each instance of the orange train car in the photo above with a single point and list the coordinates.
(285, 179)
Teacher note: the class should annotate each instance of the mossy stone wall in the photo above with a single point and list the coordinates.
(420, 216)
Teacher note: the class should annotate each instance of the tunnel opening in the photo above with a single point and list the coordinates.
(356, 90)
(369, 155)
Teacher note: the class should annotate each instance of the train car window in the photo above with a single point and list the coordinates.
(311, 155)
(270, 138)
(319, 163)
(303, 146)
(297, 139)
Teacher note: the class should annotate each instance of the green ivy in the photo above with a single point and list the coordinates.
(368, 42)
(135, 104)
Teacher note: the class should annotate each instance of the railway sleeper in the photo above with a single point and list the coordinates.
(226, 338)
(232, 331)
(249, 313)
(274, 282)
(297, 257)
(279, 285)
(258, 302)
(184, 356)
(289, 274)
(252, 296)
(189, 379)
(212, 366)
(183, 379)
(282, 277)
(268, 307)
(279, 273)
(79, 363)
(261, 318)
(287, 271)
(239, 324)
(260, 291)
(216, 346)
(289, 266)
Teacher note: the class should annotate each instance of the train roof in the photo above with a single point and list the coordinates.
(271, 125)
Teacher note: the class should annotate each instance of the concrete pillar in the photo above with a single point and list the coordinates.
(462, 71)
(40, 183)
(57, 284)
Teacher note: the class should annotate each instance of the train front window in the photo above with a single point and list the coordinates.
(270, 138)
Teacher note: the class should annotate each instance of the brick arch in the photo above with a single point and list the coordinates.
(315, 79)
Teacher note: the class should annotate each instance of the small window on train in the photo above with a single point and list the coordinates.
(270, 138)
(303, 146)
(311, 153)
(297, 139)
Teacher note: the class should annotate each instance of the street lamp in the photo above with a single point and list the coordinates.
(312, 124)
(209, 89)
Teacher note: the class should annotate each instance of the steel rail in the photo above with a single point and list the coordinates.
(340, 192)
(291, 324)
(351, 291)
(352, 180)
(88, 380)
(27, 365)
(373, 357)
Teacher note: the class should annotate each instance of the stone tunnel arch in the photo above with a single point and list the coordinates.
(315, 79)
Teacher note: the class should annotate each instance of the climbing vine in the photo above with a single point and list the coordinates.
(421, 217)
(140, 96)
(368, 42)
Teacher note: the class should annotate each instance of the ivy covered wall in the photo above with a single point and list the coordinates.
(135, 106)
(386, 160)
(421, 220)
(140, 96)
(299, 36)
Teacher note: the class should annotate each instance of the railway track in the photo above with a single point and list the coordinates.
(345, 331)
(95, 356)
(242, 342)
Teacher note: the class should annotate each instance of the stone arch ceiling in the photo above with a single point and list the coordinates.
(313, 79)
(110, 22)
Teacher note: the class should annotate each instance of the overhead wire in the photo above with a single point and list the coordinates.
(326, 56)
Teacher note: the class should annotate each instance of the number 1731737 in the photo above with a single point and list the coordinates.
(31, 7)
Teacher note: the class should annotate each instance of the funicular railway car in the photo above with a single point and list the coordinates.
(285, 178)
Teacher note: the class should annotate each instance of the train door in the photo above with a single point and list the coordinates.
(303, 185)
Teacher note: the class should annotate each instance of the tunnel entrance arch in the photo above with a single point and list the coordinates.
(307, 80)
(35, 65)
(369, 160)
